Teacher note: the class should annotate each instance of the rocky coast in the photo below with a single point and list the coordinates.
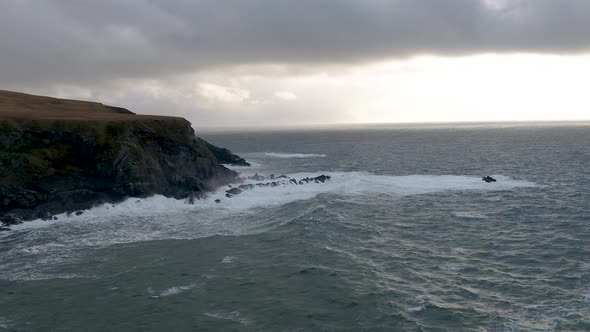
(60, 155)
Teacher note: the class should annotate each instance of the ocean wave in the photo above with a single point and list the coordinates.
(42, 245)
(234, 316)
(229, 259)
(469, 215)
(176, 290)
(341, 183)
(294, 155)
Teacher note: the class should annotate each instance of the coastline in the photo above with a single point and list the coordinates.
(59, 156)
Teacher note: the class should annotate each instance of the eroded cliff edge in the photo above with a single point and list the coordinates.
(62, 156)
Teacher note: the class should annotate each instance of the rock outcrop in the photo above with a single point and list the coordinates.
(273, 181)
(62, 156)
(225, 156)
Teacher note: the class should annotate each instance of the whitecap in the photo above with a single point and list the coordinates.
(176, 290)
(233, 316)
(229, 259)
(353, 184)
(4, 323)
(294, 155)
(422, 298)
(469, 215)
(46, 244)
(415, 309)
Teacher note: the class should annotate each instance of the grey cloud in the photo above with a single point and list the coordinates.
(79, 42)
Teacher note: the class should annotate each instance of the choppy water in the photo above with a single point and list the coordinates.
(404, 237)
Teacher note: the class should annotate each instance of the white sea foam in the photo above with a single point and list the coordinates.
(233, 316)
(238, 168)
(229, 259)
(469, 215)
(4, 323)
(342, 183)
(415, 309)
(422, 298)
(173, 290)
(52, 243)
(176, 290)
(294, 155)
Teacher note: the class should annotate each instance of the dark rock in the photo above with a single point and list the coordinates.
(293, 181)
(225, 156)
(79, 213)
(54, 218)
(232, 192)
(488, 179)
(217, 201)
(192, 198)
(4, 229)
(322, 178)
(244, 186)
(9, 220)
(51, 166)
(257, 177)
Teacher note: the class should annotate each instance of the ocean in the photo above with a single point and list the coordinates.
(404, 237)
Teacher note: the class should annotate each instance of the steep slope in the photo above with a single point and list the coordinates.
(61, 155)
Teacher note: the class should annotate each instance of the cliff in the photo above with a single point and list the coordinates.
(63, 155)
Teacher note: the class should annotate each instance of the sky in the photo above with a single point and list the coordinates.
(231, 63)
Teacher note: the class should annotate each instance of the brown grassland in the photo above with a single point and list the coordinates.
(16, 105)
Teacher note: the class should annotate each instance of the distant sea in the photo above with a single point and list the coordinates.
(404, 237)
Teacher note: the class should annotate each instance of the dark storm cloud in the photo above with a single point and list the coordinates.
(74, 41)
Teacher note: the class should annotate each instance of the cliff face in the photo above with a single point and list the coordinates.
(54, 162)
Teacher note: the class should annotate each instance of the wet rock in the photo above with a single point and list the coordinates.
(59, 165)
(232, 192)
(225, 156)
(218, 201)
(245, 187)
(4, 229)
(257, 177)
(9, 220)
(488, 179)
(79, 213)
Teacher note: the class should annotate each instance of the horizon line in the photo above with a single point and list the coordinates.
(360, 125)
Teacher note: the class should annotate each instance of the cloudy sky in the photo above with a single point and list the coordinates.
(297, 62)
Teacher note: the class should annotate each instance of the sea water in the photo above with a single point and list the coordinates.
(404, 237)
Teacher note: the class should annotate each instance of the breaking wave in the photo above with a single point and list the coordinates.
(43, 244)
(294, 155)
(342, 183)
